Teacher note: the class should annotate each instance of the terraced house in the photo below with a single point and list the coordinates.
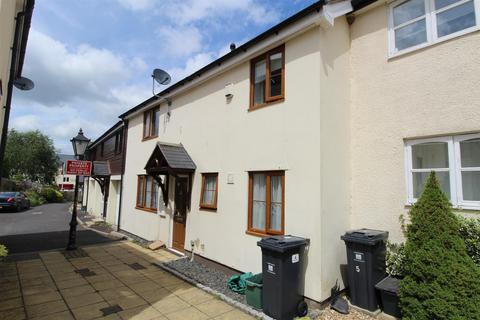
(329, 121)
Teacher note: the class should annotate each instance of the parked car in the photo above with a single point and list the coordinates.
(14, 200)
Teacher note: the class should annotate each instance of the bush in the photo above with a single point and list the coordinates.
(470, 232)
(441, 281)
(395, 259)
(35, 198)
(51, 195)
(3, 251)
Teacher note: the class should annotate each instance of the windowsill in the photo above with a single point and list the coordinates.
(147, 209)
(208, 208)
(261, 234)
(392, 56)
(464, 208)
(149, 138)
(266, 104)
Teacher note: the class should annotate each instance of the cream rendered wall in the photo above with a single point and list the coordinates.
(8, 11)
(433, 91)
(226, 138)
(112, 201)
(95, 198)
(335, 173)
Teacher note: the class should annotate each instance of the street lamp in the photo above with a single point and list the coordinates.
(80, 144)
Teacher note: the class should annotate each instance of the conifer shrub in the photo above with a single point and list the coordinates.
(441, 281)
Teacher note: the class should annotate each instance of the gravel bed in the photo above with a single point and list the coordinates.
(329, 314)
(209, 277)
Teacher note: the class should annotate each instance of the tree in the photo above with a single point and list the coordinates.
(441, 281)
(30, 156)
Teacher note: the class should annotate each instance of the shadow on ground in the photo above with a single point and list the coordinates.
(21, 243)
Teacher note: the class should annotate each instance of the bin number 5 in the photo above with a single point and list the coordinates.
(357, 268)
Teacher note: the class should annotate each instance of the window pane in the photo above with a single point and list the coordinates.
(209, 190)
(259, 201)
(148, 194)
(276, 198)
(140, 191)
(146, 128)
(470, 153)
(276, 74)
(419, 179)
(154, 194)
(430, 155)
(259, 82)
(407, 11)
(443, 3)
(156, 122)
(456, 19)
(471, 185)
(411, 35)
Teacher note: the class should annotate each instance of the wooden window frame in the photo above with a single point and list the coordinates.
(142, 187)
(206, 205)
(153, 132)
(267, 231)
(267, 98)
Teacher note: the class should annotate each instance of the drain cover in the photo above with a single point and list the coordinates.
(78, 253)
(111, 310)
(136, 266)
(85, 272)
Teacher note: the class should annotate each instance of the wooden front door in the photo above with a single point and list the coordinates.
(180, 214)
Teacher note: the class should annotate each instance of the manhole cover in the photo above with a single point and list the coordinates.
(136, 266)
(111, 310)
(85, 272)
(72, 254)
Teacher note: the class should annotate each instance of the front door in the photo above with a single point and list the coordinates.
(180, 214)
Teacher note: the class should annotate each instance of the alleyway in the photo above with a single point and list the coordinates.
(108, 281)
(42, 228)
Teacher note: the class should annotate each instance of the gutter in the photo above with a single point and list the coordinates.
(23, 21)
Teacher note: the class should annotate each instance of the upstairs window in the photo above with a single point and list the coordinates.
(209, 192)
(416, 23)
(267, 83)
(118, 142)
(456, 162)
(151, 121)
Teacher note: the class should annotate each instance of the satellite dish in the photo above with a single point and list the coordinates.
(24, 84)
(162, 77)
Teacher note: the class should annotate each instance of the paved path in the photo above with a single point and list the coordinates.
(42, 228)
(112, 281)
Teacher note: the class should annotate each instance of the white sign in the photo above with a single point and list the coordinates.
(295, 258)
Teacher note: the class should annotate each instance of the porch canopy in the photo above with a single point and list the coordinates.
(167, 160)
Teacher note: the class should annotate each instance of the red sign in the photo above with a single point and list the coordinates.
(79, 168)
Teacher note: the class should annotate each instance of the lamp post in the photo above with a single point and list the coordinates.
(79, 143)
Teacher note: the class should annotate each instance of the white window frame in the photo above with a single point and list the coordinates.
(455, 169)
(431, 25)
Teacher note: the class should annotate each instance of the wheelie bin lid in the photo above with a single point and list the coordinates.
(282, 243)
(389, 284)
(365, 236)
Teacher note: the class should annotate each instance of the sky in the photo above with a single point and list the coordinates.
(91, 60)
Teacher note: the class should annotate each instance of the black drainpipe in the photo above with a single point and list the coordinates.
(124, 150)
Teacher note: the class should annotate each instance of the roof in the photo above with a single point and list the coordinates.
(101, 168)
(106, 134)
(173, 156)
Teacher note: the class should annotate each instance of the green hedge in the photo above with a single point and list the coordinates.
(441, 281)
(51, 195)
(3, 251)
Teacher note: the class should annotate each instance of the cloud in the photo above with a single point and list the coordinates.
(193, 64)
(137, 5)
(76, 87)
(181, 41)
